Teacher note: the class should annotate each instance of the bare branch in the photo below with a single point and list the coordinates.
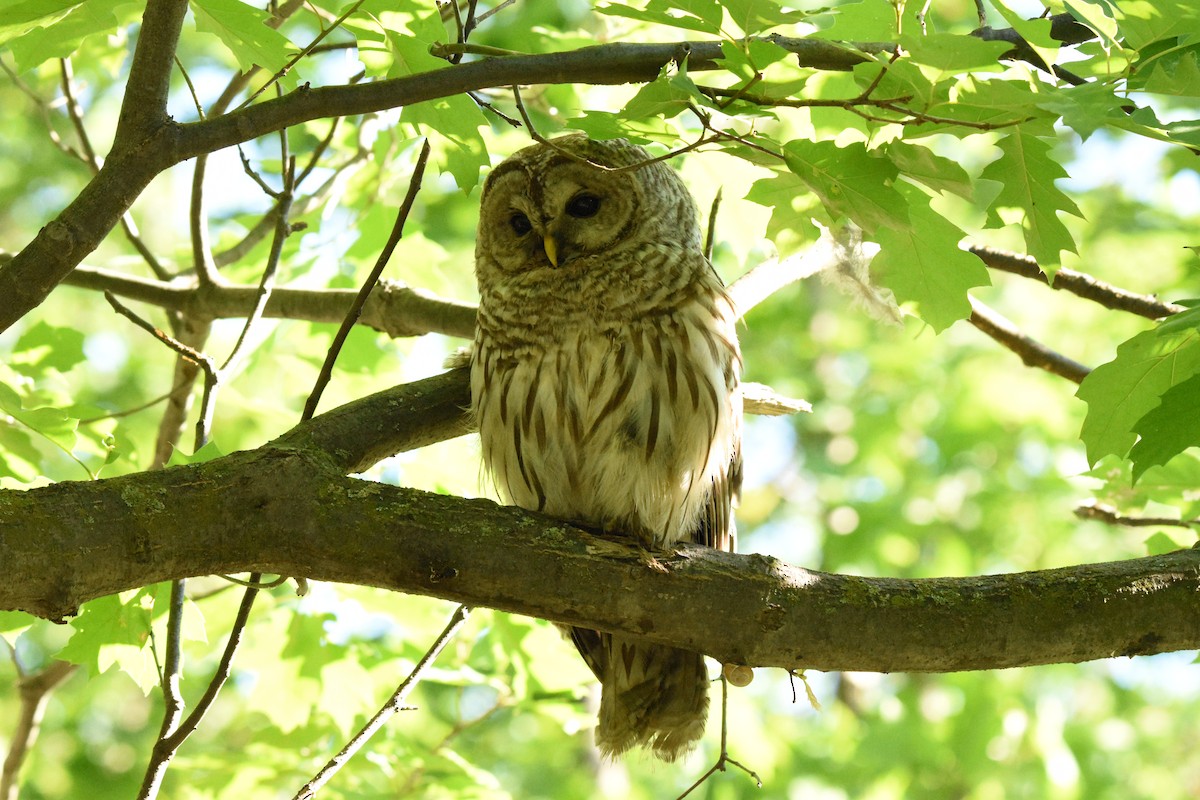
(392, 308)
(1033, 354)
(414, 186)
(1078, 283)
(172, 673)
(394, 704)
(1111, 516)
(169, 740)
(34, 691)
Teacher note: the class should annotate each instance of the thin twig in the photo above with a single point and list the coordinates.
(459, 34)
(486, 106)
(34, 690)
(723, 760)
(1078, 283)
(314, 157)
(266, 284)
(1110, 515)
(75, 114)
(495, 10)
(170, 676)
(339, 339)
(710, 238)
(187, 79)
(193, 330)
(470, 22)
(44, 109)
(138, 408)
(167, 745)
(202, 258)
(460, 727)
(271, 584)
(252, 173)
(201, 360)
(304, 53)
(1032, 353)
(537, 137)
(394, 704)
(184, 376)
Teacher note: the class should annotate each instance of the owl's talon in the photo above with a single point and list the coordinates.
(656, 565)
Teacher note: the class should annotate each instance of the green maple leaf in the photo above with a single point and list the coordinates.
(454, 122)
(243, 30)
(1169, 428)
(693, 15)
(923, 265)
(850, 182)
(1027, 174)
(1123, 391)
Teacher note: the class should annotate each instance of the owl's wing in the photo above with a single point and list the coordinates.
(590, 645)
(716, 527)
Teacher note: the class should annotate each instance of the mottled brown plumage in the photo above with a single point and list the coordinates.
(605, 381)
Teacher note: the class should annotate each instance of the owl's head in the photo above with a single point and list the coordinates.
(546, 207)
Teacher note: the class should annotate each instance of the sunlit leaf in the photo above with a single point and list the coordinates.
(850, 182)
(668, 96)
(1035, 32)
(454, 122)
(115, 631)
(410, 48)
(1169, 428)
(61, 38)
(1122, 391)
(45, 346)
(921, 164)
(243, 29)
(1161, 543)
(756, 16)
(694, 15)
(1027, 173)
(923, 265)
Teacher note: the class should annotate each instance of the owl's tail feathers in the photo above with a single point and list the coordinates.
(651, 696)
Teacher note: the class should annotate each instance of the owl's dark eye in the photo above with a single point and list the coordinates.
(520, 224)
(582, 206)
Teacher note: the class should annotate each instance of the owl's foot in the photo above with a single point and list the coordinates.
(653, 563)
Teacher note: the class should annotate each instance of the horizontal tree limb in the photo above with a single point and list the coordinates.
(287, 508)
(393, 308)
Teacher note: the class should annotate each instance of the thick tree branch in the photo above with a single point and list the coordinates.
(287, 508)
(144, 106)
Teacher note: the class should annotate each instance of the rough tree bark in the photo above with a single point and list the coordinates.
(289, 508)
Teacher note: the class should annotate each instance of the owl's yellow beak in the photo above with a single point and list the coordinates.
(551, 247)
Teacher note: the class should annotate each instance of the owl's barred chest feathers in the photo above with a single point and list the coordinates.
(619, 416)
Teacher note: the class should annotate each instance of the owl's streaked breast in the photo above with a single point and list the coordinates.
(615, 421)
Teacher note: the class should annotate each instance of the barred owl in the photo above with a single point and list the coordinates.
(605, 383)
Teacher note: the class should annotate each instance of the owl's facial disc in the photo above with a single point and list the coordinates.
(553, 213)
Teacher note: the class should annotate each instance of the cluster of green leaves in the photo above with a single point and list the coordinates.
(926, 456)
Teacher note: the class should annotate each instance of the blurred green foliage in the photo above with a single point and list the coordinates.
(931, 450)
